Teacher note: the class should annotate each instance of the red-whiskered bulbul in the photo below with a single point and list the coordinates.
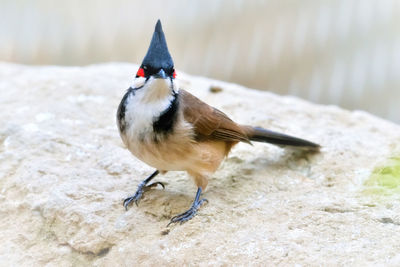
(172, 130)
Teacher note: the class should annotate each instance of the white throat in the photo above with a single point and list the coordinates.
(146, 104)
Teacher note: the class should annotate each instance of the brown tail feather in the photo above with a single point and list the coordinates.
(258, 134)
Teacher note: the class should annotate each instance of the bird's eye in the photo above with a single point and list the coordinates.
(173, 74)
(140, 73)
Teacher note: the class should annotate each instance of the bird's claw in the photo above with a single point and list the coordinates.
(189, 214)
(139, 193)
(155, 184)
(136, 197)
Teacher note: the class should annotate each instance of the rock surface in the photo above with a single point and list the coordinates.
(64, 173)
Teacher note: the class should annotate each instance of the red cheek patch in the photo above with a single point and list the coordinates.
(174, 75)
(140, 72)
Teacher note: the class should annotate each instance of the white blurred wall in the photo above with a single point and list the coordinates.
(342, 52)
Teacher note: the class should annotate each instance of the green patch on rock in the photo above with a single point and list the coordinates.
(385, 180)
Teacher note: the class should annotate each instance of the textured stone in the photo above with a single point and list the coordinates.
(64, 173)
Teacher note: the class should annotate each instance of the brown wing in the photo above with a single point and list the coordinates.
(209, 122)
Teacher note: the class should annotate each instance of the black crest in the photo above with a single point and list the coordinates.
(158, 56)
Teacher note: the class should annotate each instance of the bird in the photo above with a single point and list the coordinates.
(170, 129)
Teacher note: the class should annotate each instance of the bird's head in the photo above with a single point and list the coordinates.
(157, 69)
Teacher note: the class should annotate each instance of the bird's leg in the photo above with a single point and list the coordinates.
(141, 188)
(190, 213)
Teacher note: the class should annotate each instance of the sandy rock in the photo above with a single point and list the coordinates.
(64, 173)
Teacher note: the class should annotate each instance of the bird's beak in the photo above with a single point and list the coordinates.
(160, 75)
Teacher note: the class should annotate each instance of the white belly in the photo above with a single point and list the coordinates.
(180, 153)
(168, 155)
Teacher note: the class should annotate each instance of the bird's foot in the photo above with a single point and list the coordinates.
(139, 193)
(189, 214)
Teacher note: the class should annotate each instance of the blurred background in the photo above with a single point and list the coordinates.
(342, 52)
